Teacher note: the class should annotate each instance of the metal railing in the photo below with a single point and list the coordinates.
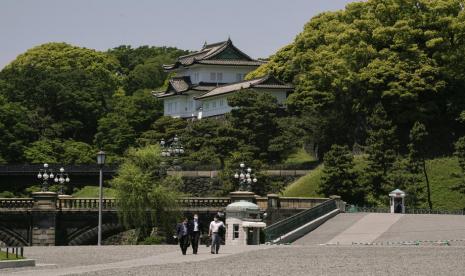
(16, 252)
(198, 202)
(16, 203)
(289, 224)
(408, 210)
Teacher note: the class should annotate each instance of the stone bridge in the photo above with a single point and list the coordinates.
(45, 219)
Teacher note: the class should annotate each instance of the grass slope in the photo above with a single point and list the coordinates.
(92, 191)
(444, 173)
(10, 256)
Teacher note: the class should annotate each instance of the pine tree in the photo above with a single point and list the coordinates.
(381, 146)
(417, 155)
(339, 177)
(460, 154)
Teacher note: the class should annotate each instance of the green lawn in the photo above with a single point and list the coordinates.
(10, 256)
(299, 157)
(307, 185)
(443, 173)
(92, 191)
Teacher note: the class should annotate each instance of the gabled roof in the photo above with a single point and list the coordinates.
(220, 53)
(265, 82)
(179, 85)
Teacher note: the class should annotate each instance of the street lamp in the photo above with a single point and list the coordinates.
(45, 174)
(101, 162)
(61, 178)
(245, 177)
(171, 148)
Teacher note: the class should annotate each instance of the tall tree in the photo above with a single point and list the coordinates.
(145, 198)
(65, 89)
(339, 176)
(261, 125)
(381, 147)
(417, 155)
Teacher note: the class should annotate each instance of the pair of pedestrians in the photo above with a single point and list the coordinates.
(191, 231)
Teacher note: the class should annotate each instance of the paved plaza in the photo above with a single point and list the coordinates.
(314, 254)
(252, 260)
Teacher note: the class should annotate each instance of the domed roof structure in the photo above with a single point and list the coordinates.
(242, 206)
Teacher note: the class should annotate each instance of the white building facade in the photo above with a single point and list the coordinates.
(206, 78)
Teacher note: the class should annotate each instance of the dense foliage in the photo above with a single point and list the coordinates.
(56, 94)
(141, 186)
(405, 54)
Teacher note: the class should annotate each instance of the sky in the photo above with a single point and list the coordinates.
(258, 27)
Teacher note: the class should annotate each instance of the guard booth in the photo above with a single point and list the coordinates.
(397, 201)
(243, 223)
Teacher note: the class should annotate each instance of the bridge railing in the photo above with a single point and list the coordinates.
(16, 203)
(279, 229)
(408, 210)
(200, 202)
(85, 203)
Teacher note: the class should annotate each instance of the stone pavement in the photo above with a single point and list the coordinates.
(69, 260)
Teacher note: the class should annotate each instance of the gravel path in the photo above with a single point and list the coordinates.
(318, 260)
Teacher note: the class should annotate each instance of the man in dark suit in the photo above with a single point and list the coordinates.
(195, 231)
(182, 232)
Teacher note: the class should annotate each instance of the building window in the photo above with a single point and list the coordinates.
(175, 106)
(239, 77)
(207, 105)
(170, 107)
(235, 231)
(219, 77)
(221, 102)
(216, 76)
(214, 104)
(213, 76)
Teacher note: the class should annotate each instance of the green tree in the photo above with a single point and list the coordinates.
(145, 199)
(164, 128)
(65, 89)
(16, 131)
(418, 149)
(209, 141)
(261, 126)
(460, 154)
(381, 147)
(404, 54)
(60, 152)
(339, 176)
(402, 177)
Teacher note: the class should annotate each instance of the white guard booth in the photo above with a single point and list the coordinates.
(243, 223)
(397, 199)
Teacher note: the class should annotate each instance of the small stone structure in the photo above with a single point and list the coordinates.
(243, 221)
(397, 201)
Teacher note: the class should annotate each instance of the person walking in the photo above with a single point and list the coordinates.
(215, 227)
(182, 232)
(195, 231)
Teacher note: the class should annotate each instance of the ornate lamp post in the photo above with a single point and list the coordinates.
(171, 149)
(61, 178)
(45, 174)
(100, 161)
(245, 178)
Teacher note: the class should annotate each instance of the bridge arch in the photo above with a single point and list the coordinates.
(88, 236)
(11, 238)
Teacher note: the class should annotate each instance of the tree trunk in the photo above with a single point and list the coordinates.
(428, 188)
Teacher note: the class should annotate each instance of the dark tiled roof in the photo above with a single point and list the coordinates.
(265, 82)
(223, 53)
(180, 85)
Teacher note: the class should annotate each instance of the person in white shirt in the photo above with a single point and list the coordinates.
(215, 227)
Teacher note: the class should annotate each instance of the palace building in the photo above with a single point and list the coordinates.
(204, 80)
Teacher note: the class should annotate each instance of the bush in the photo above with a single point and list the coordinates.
(153, 240)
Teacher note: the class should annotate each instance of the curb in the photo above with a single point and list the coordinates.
(17, 263)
